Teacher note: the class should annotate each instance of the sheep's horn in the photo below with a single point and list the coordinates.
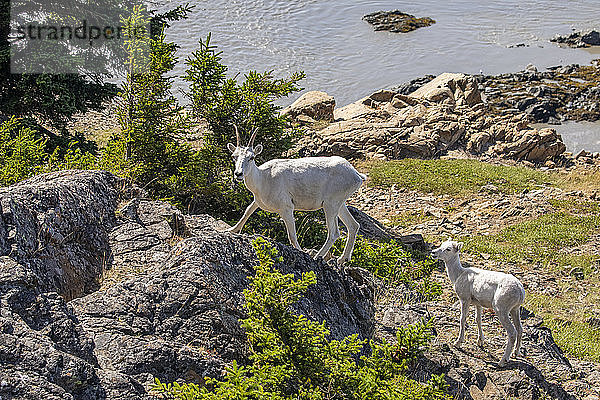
(237, 134)
(251, 142)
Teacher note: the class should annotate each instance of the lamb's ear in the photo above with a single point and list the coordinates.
(258, 149)
(231, 147)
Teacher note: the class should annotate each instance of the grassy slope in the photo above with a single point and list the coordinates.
(544, 242)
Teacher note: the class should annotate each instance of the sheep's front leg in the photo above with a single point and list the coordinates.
(464, 312)
(249, 210)
(287, 216)
(479, 330)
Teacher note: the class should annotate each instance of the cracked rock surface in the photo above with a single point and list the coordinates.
(100, 293)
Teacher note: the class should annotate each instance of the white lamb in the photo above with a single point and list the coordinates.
(501, 292)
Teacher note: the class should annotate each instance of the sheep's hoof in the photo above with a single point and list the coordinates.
(502, 363)
(480, 342)
(458, 343)
(341, 260)
(312, 253)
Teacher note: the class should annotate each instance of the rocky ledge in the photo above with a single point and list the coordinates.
(561, 93)
(101, 290)
(444, 114)
(396, 21)
(579, 39)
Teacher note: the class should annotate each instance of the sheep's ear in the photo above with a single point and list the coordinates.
(258, 149)
(231, 147)
(459, 246)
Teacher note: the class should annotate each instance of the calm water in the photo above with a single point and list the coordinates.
(578, 136)
(342, 55)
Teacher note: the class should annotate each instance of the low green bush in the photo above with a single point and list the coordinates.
(391, 262)
(24, 154)
(293, 358)
(310, 227)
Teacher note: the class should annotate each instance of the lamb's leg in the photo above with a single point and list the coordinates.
(249, 210)
(352, 227)
(464, 312)
(333, 230)
(515, 313)
(479, 330)
(287, 216)
(511, 332)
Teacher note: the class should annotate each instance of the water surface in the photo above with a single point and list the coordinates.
(342, 55)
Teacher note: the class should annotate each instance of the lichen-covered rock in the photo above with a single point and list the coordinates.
(396, 21)
(164, 299)
(57, 225)
(314, 105)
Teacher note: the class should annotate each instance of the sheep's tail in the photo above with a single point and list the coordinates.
(522, 294)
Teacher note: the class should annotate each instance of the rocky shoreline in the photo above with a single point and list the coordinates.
(487, 117)
(578, 39)
(443, 115)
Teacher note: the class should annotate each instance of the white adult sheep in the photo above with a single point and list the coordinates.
(305, 184)
(496, 290)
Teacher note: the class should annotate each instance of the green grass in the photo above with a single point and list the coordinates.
(576, 338)
(407, 219)
(537, 240)
(454, 177)
(540, 240)
(576, 206)
(568, 326)
(546, 241)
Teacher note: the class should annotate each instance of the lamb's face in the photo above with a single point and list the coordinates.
(242, 157)
(447, 251)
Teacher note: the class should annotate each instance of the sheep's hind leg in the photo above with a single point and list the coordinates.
(515, 313)
(352, 227)
(333, 230)
(479, 330)
(511, 332)
(287, 216)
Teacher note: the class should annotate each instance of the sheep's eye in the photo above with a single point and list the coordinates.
(447, 250)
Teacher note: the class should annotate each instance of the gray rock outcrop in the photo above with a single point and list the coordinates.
(98, 295)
